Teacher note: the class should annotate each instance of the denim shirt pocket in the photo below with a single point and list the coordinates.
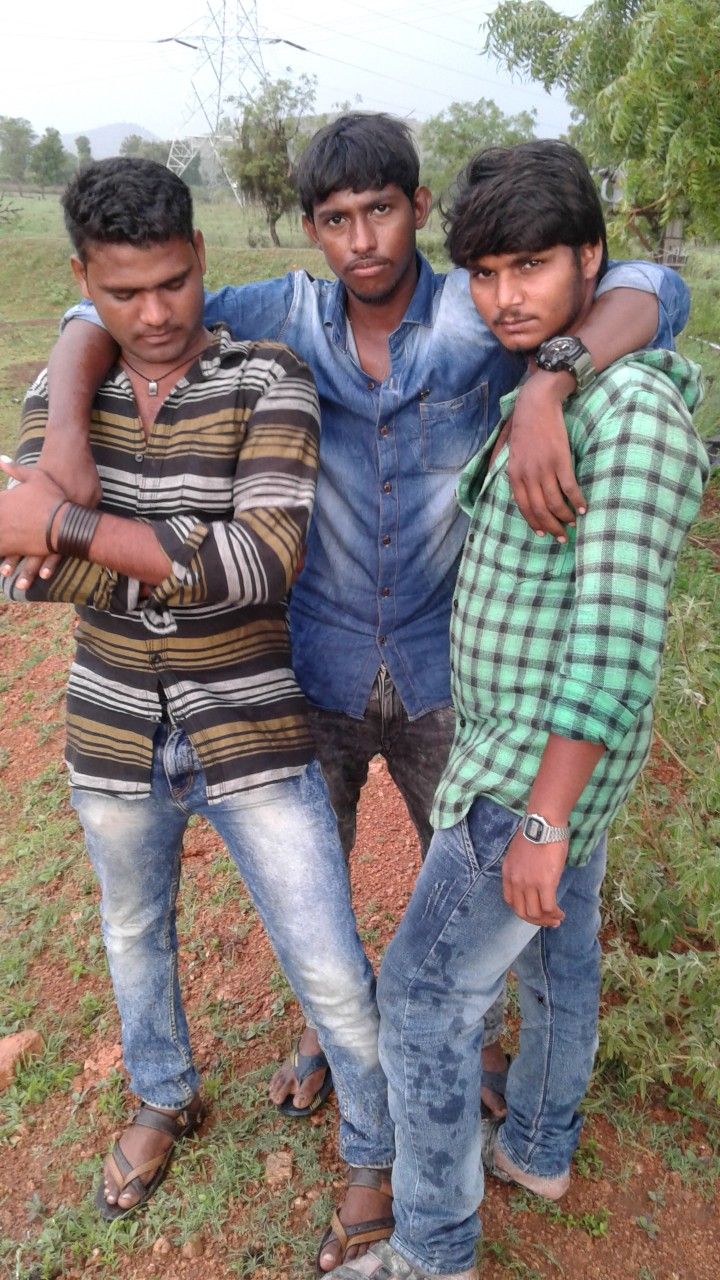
(453, 430)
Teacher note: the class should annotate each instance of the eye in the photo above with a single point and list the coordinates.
(480, 273)
(175, 285)
(381, 207)
(531, 263)
(122, 295)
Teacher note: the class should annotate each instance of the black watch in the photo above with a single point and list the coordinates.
(570, 354)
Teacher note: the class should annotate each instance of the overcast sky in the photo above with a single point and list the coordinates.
(82, 64)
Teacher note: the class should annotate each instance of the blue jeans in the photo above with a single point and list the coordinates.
(440, 975)
(283, 839)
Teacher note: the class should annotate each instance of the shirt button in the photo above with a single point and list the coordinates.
(139, 457)
(155, 660)
(471, 537)
(386, 540)
(386, 591)
(383, 431)
(371, 386)
(462, 723)
(387, 487)
(382, 639)
(456, 603)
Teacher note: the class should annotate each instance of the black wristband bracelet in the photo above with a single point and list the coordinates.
(77, 530)
(50, 523)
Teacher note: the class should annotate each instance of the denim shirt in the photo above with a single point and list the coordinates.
(387, 532)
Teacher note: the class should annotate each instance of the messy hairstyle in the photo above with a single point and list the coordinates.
(357, 152)
(126, 200)
(522, 199)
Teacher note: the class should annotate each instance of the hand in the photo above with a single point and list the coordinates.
(24, 513)
(531, 874)
(540, 468)
(73, 469)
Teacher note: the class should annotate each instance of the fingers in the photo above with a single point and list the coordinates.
(31, 568)
(548, 501)
(15, 470)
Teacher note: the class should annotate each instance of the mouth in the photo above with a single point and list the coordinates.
(367, 267)
(515, 324)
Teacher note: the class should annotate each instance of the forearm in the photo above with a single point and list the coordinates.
(620, 321)
(78, 365)
(564, 771)
(130, 548)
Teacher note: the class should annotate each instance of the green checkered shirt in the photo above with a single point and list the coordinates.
(568, 639)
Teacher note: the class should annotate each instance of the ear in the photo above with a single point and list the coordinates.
(310, 229)
(422, 204)
(590, 259)
(199, 247)
(80, 274)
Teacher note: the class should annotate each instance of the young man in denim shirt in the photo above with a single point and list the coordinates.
(409, 379)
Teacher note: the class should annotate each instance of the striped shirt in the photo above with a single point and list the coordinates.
(226, 477)
(568, 639)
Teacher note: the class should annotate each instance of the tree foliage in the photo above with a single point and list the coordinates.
(643, 77)
(50, 164)
(84, 150)
(261, 155)
(16, 140)
(448, 140)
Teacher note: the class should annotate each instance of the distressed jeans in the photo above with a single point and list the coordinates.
(440, 975)
(283, 839)
(416, 753)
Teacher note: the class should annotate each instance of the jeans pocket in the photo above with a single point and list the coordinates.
(490, 829)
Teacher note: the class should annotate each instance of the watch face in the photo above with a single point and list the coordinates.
(534, 829)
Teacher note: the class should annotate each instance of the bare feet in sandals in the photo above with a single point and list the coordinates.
(364, 1217)
(300, 1086)
(138, 1161)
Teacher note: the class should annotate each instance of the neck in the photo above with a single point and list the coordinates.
(155, 371)
(384, 317)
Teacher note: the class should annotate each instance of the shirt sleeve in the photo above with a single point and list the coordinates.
(669, 288)
(642, 470)
(74, 581)
(253, 558)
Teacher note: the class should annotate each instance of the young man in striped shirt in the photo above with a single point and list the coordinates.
(555, 649)
(182, 699)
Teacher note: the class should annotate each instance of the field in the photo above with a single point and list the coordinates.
(645, 1196)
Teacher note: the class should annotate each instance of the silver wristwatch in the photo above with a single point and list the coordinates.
(538, 831)
(569, 353)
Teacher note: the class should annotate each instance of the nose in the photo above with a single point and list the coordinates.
(508, 290)
(362, 236)
(155, 310)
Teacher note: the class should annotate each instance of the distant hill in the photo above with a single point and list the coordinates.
(107, 138)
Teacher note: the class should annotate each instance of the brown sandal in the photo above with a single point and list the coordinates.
(177, 1125)
(359, 1232)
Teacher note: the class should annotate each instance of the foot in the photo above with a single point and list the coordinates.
(371, 1206)
(140, 1145)
(383, 1261)
(494, 1061)
(285, 1083)
(550, 1188)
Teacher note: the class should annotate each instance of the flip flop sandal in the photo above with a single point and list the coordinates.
(371, 1232)
(303, 1065)
(126, 1177)
(497, 1081)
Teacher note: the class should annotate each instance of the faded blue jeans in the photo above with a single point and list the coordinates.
(283, 839)
(440, 975)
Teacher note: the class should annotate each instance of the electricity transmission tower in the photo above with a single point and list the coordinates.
(229, 63)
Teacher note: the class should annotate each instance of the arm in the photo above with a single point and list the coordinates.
(644, 471)
(249, 559)
(637, 305)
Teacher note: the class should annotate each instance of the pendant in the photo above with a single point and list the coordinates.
(152, 387)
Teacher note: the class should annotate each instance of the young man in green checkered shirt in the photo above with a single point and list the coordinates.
(556, 649)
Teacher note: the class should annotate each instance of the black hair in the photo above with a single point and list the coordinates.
(523, 198)
(359, 151)
(126, 200)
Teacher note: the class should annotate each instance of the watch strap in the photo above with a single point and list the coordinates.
(538, 831)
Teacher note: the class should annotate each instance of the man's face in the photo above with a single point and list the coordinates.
(368, 238)
(151, 299)
(525, 298)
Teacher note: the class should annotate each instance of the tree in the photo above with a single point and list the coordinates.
(50, 163)
(261, 155)
(448, 140)
(152, 149)
(84, 150)
(643, 77)
(16, 139)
